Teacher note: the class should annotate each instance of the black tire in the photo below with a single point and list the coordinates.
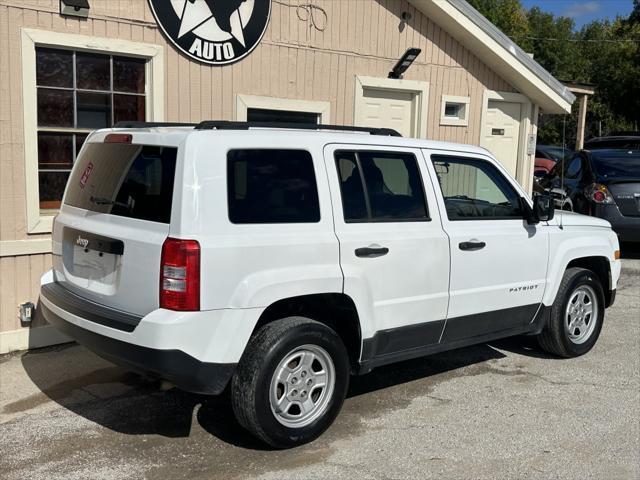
(555, 338)
(251, 383)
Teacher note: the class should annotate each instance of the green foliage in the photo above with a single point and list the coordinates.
(604, 53)
(508, 15)
(635, 14)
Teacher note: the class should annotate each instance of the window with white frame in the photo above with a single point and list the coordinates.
(77, 92)
(455, 110)
(73, 84)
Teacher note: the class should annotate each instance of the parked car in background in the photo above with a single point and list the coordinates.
(546, 158)
(602, 183)
(626, 140)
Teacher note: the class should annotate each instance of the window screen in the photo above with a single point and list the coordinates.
(475, 190)
(380, 186)
(272, 186)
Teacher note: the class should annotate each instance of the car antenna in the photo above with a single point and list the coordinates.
(564, 147)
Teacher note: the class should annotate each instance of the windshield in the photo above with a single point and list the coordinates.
(134, 181)
(617, 163)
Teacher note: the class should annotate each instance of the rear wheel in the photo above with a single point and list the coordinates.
(576, 315)
(291, 381)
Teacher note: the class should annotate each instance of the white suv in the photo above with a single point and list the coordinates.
(280, 261)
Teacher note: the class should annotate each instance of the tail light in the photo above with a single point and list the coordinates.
(118, 138)
(180, 275)
(598, 193)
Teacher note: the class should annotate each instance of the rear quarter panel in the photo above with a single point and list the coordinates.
(245, 266)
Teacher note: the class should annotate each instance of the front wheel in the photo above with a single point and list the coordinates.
(576, 315)
(291, 382)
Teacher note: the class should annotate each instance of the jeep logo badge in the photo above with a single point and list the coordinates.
(215, 32)
(83, 242)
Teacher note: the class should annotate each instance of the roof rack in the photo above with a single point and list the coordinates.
(224, 125)
(152, 124)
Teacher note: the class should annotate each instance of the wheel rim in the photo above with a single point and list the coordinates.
(581, 314)
(302, 386)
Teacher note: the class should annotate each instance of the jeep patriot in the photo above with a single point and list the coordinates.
(275, 262)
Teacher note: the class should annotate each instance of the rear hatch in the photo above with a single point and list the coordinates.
(108, 237)
(626, 194)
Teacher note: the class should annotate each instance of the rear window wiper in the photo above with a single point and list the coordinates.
(106, 201)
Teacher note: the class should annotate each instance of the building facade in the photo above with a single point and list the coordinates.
(324, 61)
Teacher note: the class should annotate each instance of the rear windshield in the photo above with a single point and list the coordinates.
(617, 163)
(134, 181)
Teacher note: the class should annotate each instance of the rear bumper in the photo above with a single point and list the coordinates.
(196, 351)
(627, 228)
(177, 367)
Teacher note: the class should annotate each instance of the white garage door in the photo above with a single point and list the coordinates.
(387, 109)
(501, 132)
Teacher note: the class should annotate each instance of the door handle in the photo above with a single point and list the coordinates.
(371, 252)
(472, 246)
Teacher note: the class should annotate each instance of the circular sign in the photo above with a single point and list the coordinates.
(216, 32)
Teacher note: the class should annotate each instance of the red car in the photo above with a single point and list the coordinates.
(546, 158)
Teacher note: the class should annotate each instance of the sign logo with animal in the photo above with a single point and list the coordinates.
(215, 32)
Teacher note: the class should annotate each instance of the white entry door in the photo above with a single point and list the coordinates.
(501, 132)
(379, 108)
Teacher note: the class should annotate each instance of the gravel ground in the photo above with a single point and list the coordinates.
(503, 410)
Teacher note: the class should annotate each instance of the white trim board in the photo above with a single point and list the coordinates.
(419, 88)
(14, 248)
(245, 102)
(27, 338)
(31, 38)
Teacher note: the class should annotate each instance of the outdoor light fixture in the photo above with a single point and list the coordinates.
(404, 63)
(75, 8)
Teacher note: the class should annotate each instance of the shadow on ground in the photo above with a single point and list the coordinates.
(134, 405)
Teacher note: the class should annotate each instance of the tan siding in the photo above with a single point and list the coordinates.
(294, 60)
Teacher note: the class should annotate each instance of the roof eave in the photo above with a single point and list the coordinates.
(499, 52)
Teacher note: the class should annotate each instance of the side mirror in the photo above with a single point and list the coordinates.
(543, 207)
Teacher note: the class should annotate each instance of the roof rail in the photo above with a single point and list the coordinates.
(152, 124)
(224, 125)
(623, 133)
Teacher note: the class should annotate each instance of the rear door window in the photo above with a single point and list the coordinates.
(126, 180)
(380, 187)
(272, 186)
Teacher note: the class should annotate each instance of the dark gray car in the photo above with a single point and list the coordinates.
(603, 183)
